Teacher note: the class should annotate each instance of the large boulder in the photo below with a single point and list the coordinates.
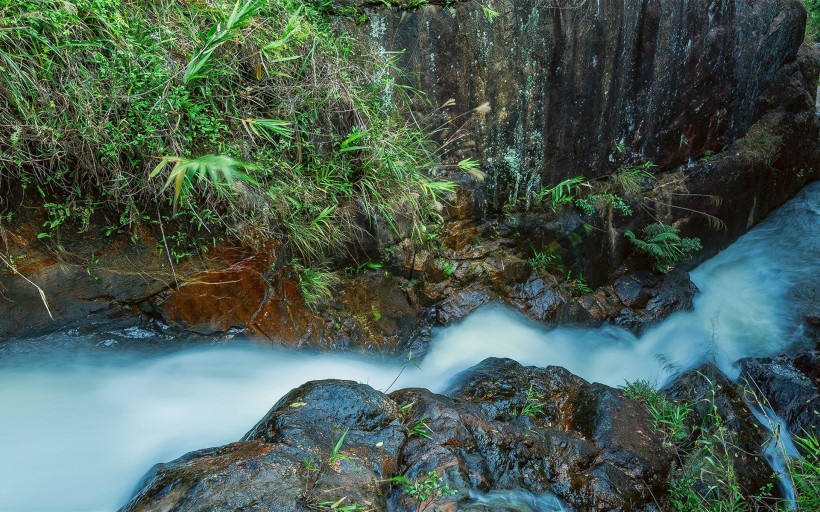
(505, 434)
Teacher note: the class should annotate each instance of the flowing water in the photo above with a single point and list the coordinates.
(82, 417)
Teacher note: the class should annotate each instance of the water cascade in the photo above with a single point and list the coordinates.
(85, 416)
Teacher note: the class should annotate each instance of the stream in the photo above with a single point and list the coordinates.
(82, 416)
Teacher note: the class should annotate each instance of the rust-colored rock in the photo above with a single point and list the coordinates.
(218, 300)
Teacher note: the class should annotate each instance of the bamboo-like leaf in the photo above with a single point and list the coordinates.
(215, 169)
(267, 128)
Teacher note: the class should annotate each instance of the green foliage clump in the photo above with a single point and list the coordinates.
(805, 473)
(533, 404)
(316, 285)
(563, 193)
(548, 260)
(664, 245)
(578, 285)
(668, 417)
(813, 20)
(595, 202)
(273, 124)
(706, 480)
(424, 491)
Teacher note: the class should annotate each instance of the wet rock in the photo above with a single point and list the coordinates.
(714, 397)
(457, 305)
(635, 301)
(250, 476)
(289, 460)
(540, 299)
(92, 283)
(789, 386)
(721, 98)
(538, 433)
(217, 300)
(577, 445)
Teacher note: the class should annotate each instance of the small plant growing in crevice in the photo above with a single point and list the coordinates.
(668, 417)
(425, 491)
(663, 244)
(533, 404)
(335, 456)
(340, 506)
(596, 202)
(448, 268)
(563, 193)
(630, 181)
(490, 14)
(420, 428)
(548, 260)
(578, 285)
(316, 285)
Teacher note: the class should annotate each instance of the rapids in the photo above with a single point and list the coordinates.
(82, 417)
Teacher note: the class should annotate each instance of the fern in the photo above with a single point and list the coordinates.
(664, 245)
(564, 192)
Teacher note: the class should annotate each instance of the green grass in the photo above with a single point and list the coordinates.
(316, 285)
(705, 479)
(547, 260)
(251, 120)
(424, 491)
(533, 405)
(805, 473)
(668, 417)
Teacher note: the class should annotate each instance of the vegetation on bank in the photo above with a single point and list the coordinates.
(254, 120)
(705, 479)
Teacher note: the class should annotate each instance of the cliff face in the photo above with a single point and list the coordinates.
(574, 82)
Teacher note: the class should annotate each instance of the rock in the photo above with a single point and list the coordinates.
(636, 301)
(789, 386)
(540, 299)
(289, 460)
(247, 476)
(584, 443)
(217, 300)
(89, 283)
(576, 90)
(457, 305)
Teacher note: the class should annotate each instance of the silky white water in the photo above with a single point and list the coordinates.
(81, 418)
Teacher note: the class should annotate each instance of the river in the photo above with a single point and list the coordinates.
(82, 416)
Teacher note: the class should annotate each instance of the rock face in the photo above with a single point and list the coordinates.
(720, 95)
(500, 427)
(569, 80)
(790, 386)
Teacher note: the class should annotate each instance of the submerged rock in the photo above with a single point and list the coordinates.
(542, 434)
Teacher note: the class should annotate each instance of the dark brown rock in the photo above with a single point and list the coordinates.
(588, 445)
(789, 386)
